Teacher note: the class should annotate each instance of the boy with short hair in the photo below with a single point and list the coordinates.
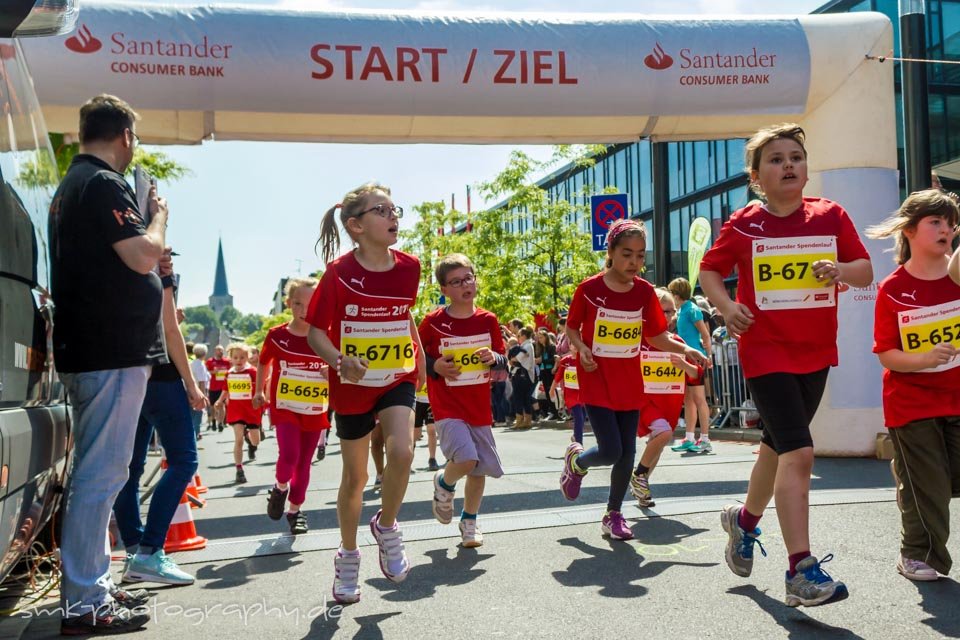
(462, 344)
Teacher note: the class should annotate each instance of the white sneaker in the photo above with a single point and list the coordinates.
(916, 570)
(393, 558)
(470, 533)
(346, 578)
(442, 500)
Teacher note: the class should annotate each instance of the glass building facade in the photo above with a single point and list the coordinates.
(707, 179)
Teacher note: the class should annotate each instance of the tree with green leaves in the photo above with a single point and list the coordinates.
(257, 337)
(204, 317)
(39, 173)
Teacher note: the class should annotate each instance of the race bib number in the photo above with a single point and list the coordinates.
(220, 375)
(240, 387)
(386, 346)
(616, 334)
(923, 329)
(303, 391)
(570, 380)
(463, 350)
(660, 375)
(783, 272)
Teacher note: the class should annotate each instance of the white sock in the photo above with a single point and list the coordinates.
(353, 553)
(704, 438)
(690, 436)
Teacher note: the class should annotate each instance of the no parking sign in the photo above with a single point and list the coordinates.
(605, 210)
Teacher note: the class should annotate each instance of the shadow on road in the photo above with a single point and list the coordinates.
(799, 625)
(940, 599)
(614, 569)
(239, 573)
(442, 571)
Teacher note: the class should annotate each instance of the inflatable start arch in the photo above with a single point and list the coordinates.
(197, 73)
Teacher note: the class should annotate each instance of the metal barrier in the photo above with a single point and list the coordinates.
(728, 389)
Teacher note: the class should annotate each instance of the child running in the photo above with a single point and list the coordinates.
(462, 343)
(610, 314)
(566, 379)
(298, 399)
(362, 327)
(664, 380)
(916, 336)
(238, 400)
(692, 330)
(790, 253)
(217, 366)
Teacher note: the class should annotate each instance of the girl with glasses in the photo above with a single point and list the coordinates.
(361, 326)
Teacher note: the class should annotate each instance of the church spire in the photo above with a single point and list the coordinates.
(221, 297)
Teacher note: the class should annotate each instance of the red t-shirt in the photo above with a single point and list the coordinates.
(668, 405)
(787, 340)
(565, 377)
(300, 376)
(919, 394)
(468, 397)
(239, 390)
(218, 373)
(367, 314)
(611, 325)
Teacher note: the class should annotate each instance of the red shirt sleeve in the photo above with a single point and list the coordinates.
(722, 257)
(323, 305)
(849, 245)
(268, 351)
(427, 337)
(578, 309)
(886, 333)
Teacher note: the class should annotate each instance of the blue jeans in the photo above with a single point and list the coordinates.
(197, 419)
(105, 409)
(616, 433)
(166, 409)
(500, 405)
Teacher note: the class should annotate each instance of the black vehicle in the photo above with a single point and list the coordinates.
(34, 422)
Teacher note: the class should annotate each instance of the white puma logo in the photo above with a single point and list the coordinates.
(758, 225)
(912, 296)
(359, 282)
(284, 342)
(603, 300)
(447, 325)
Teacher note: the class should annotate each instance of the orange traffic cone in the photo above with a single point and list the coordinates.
(197, 481)
(182, 534)
(193, 495)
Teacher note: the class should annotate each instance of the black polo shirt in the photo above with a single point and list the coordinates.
(107, 316)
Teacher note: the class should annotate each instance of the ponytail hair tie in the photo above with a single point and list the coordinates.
(339, 205)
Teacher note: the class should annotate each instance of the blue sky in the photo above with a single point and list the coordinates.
(266, 199)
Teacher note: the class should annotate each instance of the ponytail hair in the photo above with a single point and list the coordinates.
(918, 205)
(350, 207)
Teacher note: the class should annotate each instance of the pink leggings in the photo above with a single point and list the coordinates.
(297, 448)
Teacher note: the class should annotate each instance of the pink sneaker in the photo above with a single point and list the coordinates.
(393, 558)
(570, 479)
(615, 526)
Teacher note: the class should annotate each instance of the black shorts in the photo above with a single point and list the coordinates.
(214, 396)
(247, 426)
(422, 415)
(787, 403)
(358, 425)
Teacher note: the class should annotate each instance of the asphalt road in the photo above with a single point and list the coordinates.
(544, 570)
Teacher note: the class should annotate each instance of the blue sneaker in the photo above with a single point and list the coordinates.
(155, 568)
(739, 550)
(686, 445)
(812, 586)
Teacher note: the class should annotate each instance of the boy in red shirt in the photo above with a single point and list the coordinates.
(238, 400)
(217, 366)
(462, 343)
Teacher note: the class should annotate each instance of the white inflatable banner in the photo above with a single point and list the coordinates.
(234, 59)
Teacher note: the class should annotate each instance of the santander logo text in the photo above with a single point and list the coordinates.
(659, 59)
(83, 41)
